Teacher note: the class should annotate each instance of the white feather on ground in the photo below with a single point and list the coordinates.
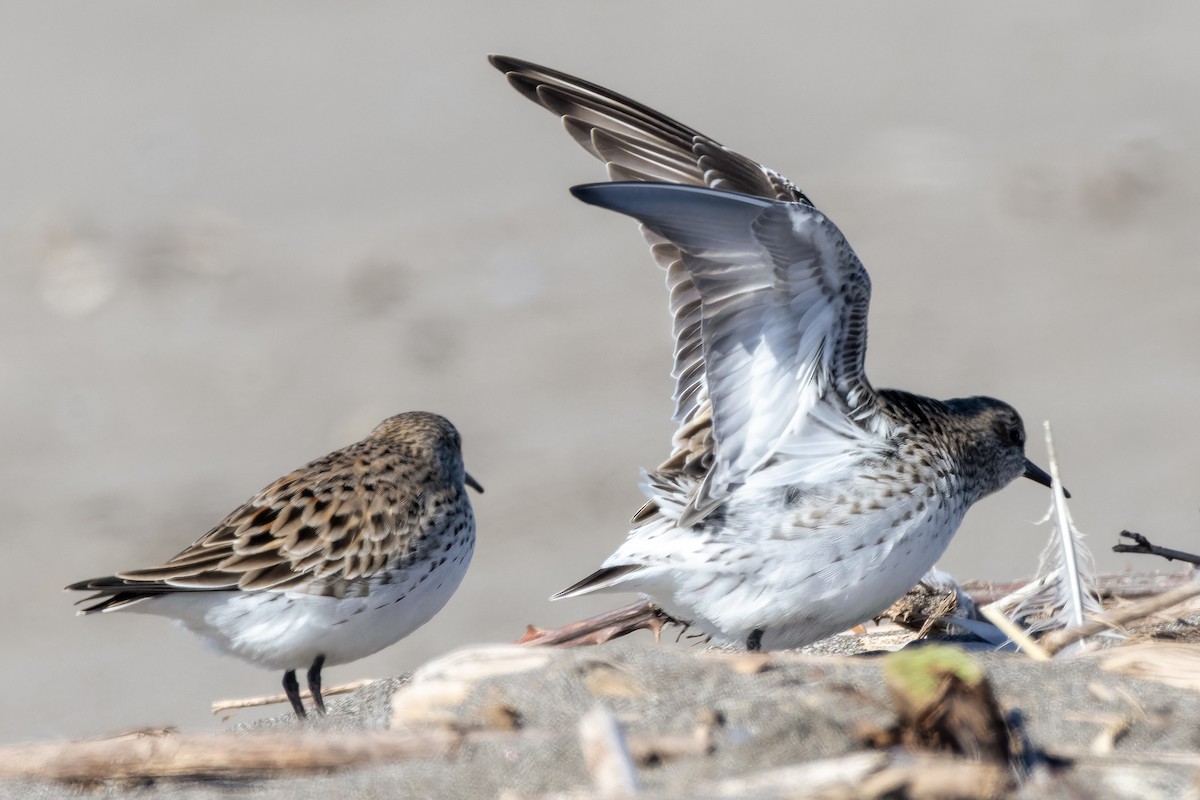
(1064, 593)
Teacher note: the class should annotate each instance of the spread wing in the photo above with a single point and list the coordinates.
(637, 143)
(781, 327)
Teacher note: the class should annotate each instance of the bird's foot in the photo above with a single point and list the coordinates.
(604, 627)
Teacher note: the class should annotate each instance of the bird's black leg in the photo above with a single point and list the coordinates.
(291, 687)
(754, 640)
(314, 683)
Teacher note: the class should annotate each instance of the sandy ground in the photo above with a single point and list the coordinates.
(235, 237)
(507, 721)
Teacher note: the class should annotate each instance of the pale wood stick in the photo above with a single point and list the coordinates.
(217, 756)
(606, 754)
(273, 699)
(1129, 757)
(1015, 632)
(871, 774)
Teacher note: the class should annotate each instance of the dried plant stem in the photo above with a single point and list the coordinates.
(1013, 631)
(1056, 641)
(273, 699)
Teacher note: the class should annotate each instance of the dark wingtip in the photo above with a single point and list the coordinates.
(605, 194)
(587, 191)
(509, 64)
(633, 198)
(474, 484)
(600, 576)
(108, 594)
(1039, 475)
(91, 584)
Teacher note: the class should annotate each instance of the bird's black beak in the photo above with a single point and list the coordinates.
(474, 484)
(1039, 475)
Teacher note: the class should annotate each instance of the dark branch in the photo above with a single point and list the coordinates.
(1142, 545)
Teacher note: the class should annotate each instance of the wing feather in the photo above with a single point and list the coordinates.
(637, 143)
(783, 304)
(316, 527)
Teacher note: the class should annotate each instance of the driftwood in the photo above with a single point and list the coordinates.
(875, 775)
(606, 754)
(1123, 585)
(1053, 642)
(857, 776)
(1043, 649)
(1168, 662)
(218, 756)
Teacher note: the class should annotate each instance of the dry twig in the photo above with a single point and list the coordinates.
(1012, 630)
(1142, 545)
(274, 699)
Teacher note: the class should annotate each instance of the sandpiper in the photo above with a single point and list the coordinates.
(328, 564)
(798, 500)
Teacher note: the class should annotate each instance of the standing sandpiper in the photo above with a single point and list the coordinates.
(328, 564)
(798, 500)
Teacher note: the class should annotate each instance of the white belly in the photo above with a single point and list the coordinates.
(798, 587)
(288, 630)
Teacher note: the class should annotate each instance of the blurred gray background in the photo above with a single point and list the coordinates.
(236, 236)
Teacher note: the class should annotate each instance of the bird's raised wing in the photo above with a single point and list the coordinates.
(638, 143)
(781, 323)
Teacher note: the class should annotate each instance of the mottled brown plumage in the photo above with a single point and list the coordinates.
(385, 517)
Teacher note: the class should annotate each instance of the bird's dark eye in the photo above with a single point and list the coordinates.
(1011, 432)
(1016, 435)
